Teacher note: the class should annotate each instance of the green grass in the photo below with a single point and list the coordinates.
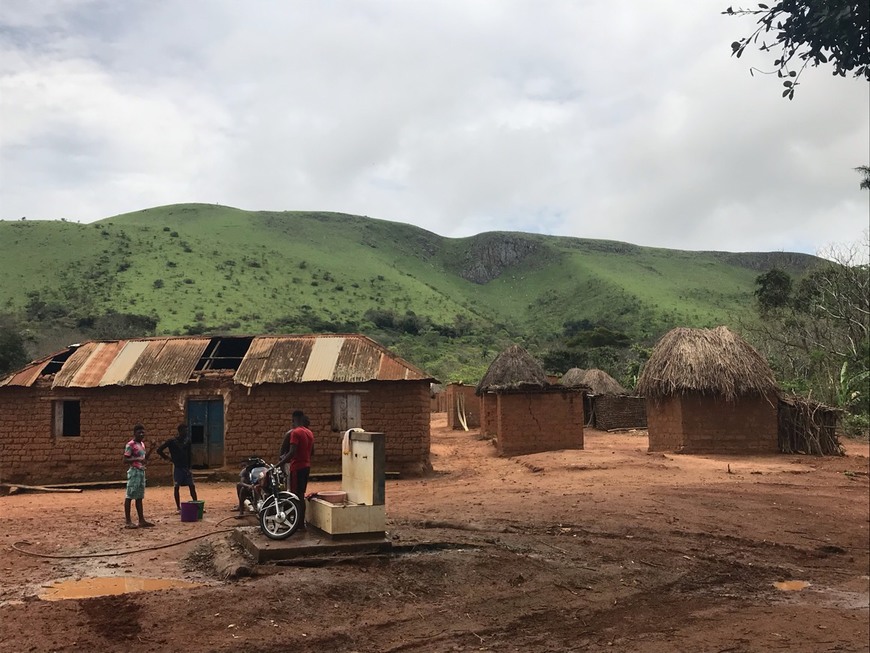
(220, 268)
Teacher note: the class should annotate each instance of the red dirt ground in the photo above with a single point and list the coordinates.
(610, 548)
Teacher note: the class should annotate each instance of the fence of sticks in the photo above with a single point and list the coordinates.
(808, 427)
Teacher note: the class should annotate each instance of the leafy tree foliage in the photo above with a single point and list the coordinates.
(13, 353)
(817, 332)
(774, 290)
(803, 32)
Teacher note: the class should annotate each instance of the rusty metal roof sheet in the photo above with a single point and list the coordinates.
(169, 361)
(27, 376)
(335, 358)
(269, 359)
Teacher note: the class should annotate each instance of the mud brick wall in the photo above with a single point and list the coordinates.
(31, 453)
(697, 424)
(256, 421)
(489, 414)
(472, 406)
(254, 424)
(664, 424)
(619, 412)
(747, 425)
(533, 422)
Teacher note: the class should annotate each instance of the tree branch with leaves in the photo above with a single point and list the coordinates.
(809, 32)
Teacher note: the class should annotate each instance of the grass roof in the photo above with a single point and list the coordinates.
(513, 369)
(601, 383)
(573, 377)
(715, 362)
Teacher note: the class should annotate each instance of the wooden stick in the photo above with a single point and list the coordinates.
(38, 488)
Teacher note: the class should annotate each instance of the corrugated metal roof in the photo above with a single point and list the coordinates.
(358, 361)
(269, 359)
(285, 362)
(322, 360)
(27, 376)
(169, 361)
(123, 362)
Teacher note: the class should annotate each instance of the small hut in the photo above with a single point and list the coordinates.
(524, 412)
(709, 391)
(609, 406)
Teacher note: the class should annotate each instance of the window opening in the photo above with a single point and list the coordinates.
(67, 418)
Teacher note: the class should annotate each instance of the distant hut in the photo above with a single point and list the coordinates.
(609, 406)
(524, 411)
(601, 383)
(709, 391)
(572, 378)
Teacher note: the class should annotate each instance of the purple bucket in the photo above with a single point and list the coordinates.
(189, 511)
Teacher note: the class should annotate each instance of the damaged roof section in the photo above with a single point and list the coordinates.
(253, 361)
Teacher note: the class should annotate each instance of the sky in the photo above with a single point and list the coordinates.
(618, 119)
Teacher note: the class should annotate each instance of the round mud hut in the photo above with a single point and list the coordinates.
(709, 391)
(523, 411)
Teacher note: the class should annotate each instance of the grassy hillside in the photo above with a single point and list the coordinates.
(206, 268)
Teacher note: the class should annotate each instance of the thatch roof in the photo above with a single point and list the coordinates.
(707, 361)
(513, 369)
(602, 383)
(572, 378)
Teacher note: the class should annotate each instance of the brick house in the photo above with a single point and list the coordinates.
(523, 411)
(66, 417)
(709, 391)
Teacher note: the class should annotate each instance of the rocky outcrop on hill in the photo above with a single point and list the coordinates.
(492, 254)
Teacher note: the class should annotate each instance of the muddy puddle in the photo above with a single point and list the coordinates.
(107, 586)
(791, 585)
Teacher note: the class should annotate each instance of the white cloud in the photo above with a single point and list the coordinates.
(616, 119)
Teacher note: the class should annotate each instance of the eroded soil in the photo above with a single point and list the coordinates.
(610, 548)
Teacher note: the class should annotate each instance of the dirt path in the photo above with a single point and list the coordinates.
(609, 548)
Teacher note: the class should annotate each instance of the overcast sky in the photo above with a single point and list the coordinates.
(618, 119)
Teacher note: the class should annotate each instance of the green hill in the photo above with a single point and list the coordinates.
(446, 304)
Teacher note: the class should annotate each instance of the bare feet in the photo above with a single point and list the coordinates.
(130, 524)
(145, 524)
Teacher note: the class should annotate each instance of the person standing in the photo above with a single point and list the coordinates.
(179, 454)
(136, 456)
(297, 448)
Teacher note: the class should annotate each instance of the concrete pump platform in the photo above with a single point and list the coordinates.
(310, 542)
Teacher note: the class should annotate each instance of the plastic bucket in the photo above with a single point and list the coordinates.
(189, 511)
(200, 508)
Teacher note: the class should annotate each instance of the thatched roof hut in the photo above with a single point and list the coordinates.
(572, 378)
(601, 383)
(712, 362)
(513, 369)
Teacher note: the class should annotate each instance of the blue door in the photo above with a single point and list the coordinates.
(205, 423)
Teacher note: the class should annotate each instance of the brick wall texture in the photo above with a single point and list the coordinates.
(254, 424)
(472, 406)
(533, 422)
(489, 414)
(619, 412)
(698, 424)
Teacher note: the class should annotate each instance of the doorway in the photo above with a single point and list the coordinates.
(205, 423)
